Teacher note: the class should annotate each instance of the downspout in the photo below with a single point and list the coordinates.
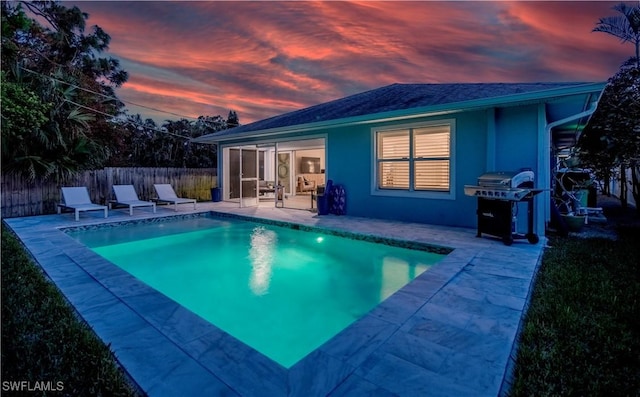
(544, 169)
(491, 140)
(219, 170)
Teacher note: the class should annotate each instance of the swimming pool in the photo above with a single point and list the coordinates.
(282, 291)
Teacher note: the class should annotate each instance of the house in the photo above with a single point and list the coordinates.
(405, 151)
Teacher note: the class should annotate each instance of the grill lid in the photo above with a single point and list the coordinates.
(507, 179)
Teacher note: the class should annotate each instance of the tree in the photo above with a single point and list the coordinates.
(60, 67)
(23, 116)
(626, 27)
(169, 145)
(232, 119)
(60, 114)
(612, 136)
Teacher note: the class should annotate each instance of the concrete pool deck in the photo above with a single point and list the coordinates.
(450, 332)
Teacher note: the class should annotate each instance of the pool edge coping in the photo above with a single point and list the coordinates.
(385, 311)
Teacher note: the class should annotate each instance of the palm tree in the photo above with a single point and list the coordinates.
(626, 27)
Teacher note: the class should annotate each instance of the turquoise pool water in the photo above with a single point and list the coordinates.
(282, 291)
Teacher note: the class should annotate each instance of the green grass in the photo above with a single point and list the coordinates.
(581, 335)
(44, 341)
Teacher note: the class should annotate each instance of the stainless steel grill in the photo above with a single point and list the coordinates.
(511, 186)
(499, 194)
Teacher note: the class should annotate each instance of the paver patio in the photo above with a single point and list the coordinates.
(450, 332)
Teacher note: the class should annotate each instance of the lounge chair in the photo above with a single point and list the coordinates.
(166, 194)
(126, 195)
(77, 199)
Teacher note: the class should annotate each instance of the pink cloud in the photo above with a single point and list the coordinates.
(265, 58)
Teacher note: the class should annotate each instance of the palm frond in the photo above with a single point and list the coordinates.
(632, 14)
(617, 26)
(31, 167)
(69, 92)
(80, 117)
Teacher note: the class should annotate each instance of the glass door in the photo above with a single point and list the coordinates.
(232, 174)
(248, 177)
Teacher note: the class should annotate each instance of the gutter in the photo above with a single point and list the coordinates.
(577, 116)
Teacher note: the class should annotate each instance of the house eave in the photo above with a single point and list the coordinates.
(413, 113)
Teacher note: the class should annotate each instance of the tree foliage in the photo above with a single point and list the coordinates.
(23, 116)
(612, 137)
(626, 27)
(169, 145)
(59, 68)
(60, 114)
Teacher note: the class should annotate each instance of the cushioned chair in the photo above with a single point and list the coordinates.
(166, 194)
(305, 185)
(126, 195)
(77, 199)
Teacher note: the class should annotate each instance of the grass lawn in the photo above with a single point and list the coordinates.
(43, 342)
(581, 335)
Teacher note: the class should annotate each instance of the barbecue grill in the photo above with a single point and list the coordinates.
(499, 194)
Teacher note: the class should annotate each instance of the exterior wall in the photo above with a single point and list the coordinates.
(503, 139)
(517, 135)
(516, 138)
(350, 159)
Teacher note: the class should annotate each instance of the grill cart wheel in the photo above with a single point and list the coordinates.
(533, 238)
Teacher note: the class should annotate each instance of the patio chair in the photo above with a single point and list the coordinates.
(77, 199)
(166, 194)
(126, 195)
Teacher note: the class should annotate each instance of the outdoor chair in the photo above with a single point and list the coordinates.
(305, 186)
(127, 196)
(166, 194)
(77, 199)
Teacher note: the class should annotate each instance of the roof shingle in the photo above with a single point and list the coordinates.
(393, 97)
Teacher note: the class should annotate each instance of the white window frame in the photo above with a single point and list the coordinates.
(410, 192)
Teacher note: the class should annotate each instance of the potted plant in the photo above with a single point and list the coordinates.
(581, 192)
(574, 221)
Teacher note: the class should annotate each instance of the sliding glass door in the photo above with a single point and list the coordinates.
(248, 177)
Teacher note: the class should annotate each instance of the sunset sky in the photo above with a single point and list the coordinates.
(266, 58)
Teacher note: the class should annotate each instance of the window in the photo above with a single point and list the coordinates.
(415, 158)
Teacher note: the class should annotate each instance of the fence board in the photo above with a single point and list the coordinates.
(23, 198)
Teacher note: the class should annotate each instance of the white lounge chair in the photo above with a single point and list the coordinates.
(166, 194)
(77, 199)
(126, 195)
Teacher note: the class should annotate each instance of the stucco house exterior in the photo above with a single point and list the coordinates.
(405, 151)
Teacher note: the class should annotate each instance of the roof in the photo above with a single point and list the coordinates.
(403, 98)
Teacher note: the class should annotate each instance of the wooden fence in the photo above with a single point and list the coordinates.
(21, 198)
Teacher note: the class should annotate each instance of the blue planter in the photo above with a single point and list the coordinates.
(216, 194)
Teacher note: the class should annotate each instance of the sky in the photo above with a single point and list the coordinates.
(265, 58)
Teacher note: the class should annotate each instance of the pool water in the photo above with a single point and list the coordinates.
(282, 291)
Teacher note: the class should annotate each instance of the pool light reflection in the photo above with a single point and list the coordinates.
(263, 242)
